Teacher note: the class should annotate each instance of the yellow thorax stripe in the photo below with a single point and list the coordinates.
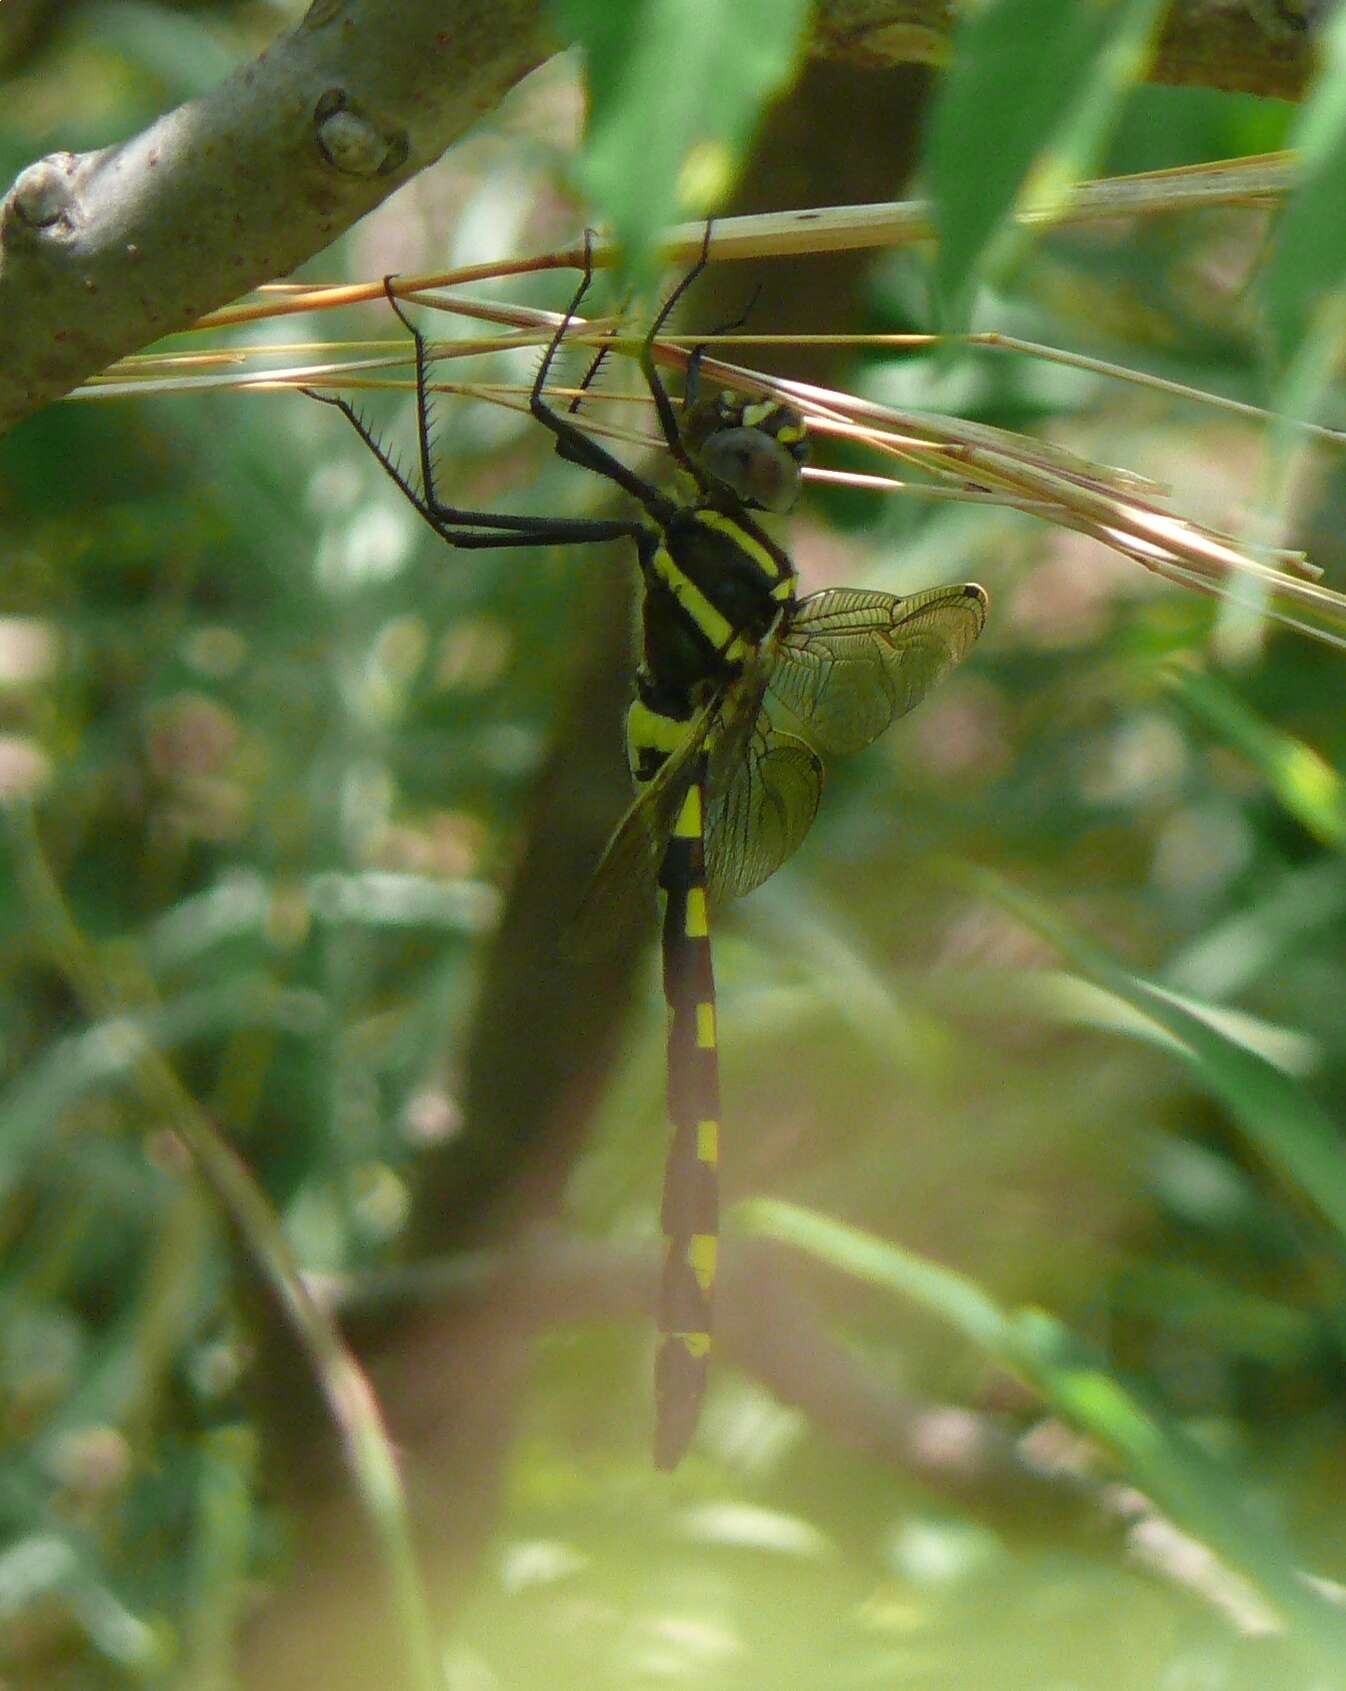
(742, 539)
(716, 627)
(698, 927)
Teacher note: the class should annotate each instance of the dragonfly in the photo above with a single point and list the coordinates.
(724, 793)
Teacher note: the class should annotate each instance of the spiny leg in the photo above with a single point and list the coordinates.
(424, 427)
(571, 441)
(663, 405)
(458, 526)
(690, 1211)
(595, 365)
(692, 382)
(545, 530)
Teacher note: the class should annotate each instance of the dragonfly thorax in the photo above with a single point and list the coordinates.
(714, 586)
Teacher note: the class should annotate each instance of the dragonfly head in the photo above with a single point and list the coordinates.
(755, 447)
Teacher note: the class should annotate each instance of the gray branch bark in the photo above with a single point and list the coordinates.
(1241, 46)
(103, 252)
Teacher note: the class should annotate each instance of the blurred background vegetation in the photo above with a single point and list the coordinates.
(277, 766)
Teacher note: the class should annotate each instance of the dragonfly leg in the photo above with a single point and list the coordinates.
(663, 405)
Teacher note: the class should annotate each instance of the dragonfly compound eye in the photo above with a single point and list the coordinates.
(754, 465)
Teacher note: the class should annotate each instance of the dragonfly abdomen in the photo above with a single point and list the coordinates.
(690, 1210)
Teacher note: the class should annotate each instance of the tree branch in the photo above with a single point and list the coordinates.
(103, 252)
(1241, 46)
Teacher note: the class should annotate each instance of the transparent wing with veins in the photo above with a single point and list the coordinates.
(852, 660)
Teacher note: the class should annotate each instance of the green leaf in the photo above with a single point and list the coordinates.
(1308, 787)
(1188, 1484)
(1306, 279)
(1277, 1116)
(676, 88)
(1022, 113)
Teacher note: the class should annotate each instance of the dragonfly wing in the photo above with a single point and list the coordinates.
(760, 810)
(851, 660)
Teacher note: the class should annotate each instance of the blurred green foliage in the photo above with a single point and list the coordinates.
(274, 744)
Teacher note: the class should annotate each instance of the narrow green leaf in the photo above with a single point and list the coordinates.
(676, 88)
(1022, 112)
(1279, 1118)
(953, 1297)
(1306, 279)
(1308, 787)
(1189, 1485)
(106, 1055)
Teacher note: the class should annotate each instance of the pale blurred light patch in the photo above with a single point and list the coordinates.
(679, 1648)
(216, 651)
(32, 1566)
(960, 730)
(933, 1552)
(90, 1463)
(216, 1368)
(25, 768)
(747, 1526)
(464, 1670)
(539, 1561)
(748, 1428)
(447, 842)
(29, 649)
(473, 654)
(1201, 1186)
(431, 1116)
(1143, 760)
(401, 647)
(367, 548)
(366, 799)
(379, 542)
(511, 749)
(336, 486)
(380, 1201)
(1200, 849)
(1067, 600)
(493, 218)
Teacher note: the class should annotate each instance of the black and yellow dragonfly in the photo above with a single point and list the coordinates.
(724, 795)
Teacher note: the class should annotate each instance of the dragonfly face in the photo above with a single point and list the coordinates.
(723, 795)
(754, 448)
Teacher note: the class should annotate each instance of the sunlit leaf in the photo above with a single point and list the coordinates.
(1022, 113)
(1306, 277)
(676, 89)
(1308, 786)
